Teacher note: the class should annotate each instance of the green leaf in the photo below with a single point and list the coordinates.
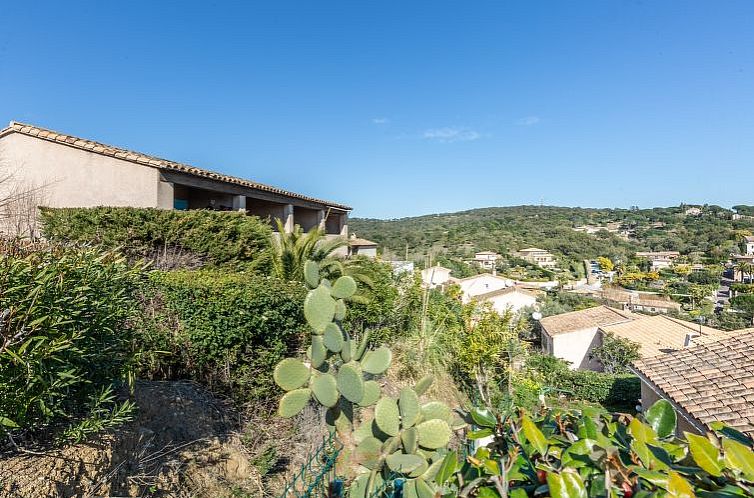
(567, 484)
(483, 417)
(678, 487)
(739, 457)
(641, 431)
(705, 454)
(474, 435)
(6, 422)
(534, 435)
(448, 468)
(487, 493)
(662, 418)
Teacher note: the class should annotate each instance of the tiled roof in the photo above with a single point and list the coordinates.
(711, 382)
(355, 241)
(658, 253)
(501, 292)
(656, 334)
(147, 160)
(749, 238)
(584, 319)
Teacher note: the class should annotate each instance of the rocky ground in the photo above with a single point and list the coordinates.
(182, 443)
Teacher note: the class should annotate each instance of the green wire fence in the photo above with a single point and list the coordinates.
(316, 478)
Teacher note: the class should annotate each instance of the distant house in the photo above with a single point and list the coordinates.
(693, 211)
(486, 259)
(484, 283)
(712, 381)
(509, 299)
(401, 267)
(573, 336)
(67, 171)
(737, 273)
(659, 260)
(361, 247)
(637, 301)
(538, 256)
(436, 276)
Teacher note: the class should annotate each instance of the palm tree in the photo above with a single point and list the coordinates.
(293, 249)
(745, 268)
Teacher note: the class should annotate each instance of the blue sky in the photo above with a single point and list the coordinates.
(407, 107)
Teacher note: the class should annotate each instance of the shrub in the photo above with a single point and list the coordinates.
(615, 391)
(588, 453)
(169, 238)
(227, 330)
(64, 343)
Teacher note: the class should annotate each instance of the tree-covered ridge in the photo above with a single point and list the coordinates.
(503, 229)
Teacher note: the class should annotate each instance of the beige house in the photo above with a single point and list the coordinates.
(67, 171)
(509, 299)
(712, 381)
(573, 336)
(538, 257)
(646, 302)
(749, 244)
(486, 259)
(361, 247)
(436, 276)
(659, 260)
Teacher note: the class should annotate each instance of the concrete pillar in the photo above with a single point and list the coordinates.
(321, 220)
(239, 203)
(165, 195)
(288, 218)
(344, 225)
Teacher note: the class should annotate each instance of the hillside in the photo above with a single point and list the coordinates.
(503, 229)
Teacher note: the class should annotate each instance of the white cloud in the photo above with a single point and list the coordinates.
(528, 121)
(379, 121)
(451, 134)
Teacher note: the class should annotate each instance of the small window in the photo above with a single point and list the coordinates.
(180, 204)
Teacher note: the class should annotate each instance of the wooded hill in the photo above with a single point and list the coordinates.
(712, 235)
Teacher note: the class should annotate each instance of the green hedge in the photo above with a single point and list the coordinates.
(174, 238)
(64, 343)
(613, 391)
(227, 330)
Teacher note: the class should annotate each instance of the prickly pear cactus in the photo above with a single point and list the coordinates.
(403, 437)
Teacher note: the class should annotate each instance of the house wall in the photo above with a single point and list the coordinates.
(575, 347)
(513, 301)
(649, 396)
(370, 252)
(480, 285)
(69, 177)
(750, 248)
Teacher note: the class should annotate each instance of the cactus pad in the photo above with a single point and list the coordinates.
(325, 389)
(387, 417)
(377, 361)
(410, 440)
(346, 354)
(403, 463)
(359, 353)
(291, 374)
(319, 351)
(421, 469)
(319, 308)
(371, 393)
(433, 434)
(350, 383)
(424, 384)
(311, 274)
(293, 402)
(408, 402)
(368, 452)
(340, 310)
(343, 288)
(436, 410)
(333, 337)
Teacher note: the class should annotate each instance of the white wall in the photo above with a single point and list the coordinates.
(575, 346)
(512, 301)
(72, 177)
(481, 284)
